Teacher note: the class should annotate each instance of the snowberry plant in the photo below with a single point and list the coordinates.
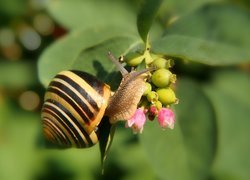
(193, 115)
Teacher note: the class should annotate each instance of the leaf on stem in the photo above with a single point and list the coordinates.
(146, 17)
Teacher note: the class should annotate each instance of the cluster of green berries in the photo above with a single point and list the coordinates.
(159, 92)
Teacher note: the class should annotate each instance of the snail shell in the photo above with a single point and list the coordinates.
(74, 105)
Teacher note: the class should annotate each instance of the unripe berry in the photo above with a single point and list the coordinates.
(152, 96)
(148, 57)
(158, 104)
(161, 77)
(160, 63)
(166, 96)
(134, 58)
(148, 88)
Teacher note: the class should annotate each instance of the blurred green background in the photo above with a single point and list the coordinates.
(218, 149)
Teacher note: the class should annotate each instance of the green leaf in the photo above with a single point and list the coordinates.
(98, 62)
(189, 148)
(92, 13)
(171, 9)
(78, 51)
(223, 23)
(106, 135)
(127, 159)
(146, 17)
(16, 75)
(229, 93)
(215, 34)
(200, 50)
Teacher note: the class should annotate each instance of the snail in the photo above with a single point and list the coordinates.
(75, 103)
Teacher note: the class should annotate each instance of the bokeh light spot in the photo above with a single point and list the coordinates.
(43, 24)
(29, 100)
(30, 39)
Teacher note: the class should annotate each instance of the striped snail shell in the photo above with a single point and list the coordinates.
(75, 103)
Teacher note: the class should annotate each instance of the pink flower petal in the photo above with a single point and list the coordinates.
(137, 121)
(130, 122)
(166, 118)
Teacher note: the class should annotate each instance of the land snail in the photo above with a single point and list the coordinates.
(75, 103)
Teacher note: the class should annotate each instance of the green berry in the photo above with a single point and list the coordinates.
(158, 105)
(134, 59)
(166, 96)
(148, 88)
(161, 77)
(152, 96)
(148, 57)
(160, 63)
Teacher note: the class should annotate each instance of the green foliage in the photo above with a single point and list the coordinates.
(201, 51)
(229, 96)
(92, 14)
(209, 34)
(209, 41)
(214, 34)
(146, 17)
(193, 41)
(84, 49)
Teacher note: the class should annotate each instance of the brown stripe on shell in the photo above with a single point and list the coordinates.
(72, 126)
(75, 103)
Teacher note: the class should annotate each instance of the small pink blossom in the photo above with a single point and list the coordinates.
(152, 113)
(137, 121)
(166, 118)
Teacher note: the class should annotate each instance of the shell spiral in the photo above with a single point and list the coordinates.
(74, 105)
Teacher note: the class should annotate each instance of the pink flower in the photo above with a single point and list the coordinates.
(166, 118)
(137, 121)
(152, 113)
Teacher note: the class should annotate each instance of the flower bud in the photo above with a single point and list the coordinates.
(166, 96)
(152, 113)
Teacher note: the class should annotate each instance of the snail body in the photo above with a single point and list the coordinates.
(75, 103)
(123, 103)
